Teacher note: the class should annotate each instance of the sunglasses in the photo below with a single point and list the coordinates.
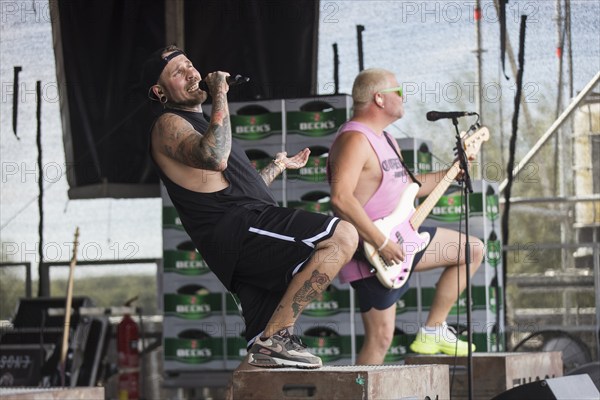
(394, 89)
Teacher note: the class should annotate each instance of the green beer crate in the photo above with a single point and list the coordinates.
(479, 301)
(493, 250)
(237, 350)
(261, 158)
(256, 127)
(416, 154)
(177, 239)
(449, 211)
(256, 123)
(181, 269)
(193, 306)
(192, 350)
(184, 263)
(207, 283)
(315, 170)
(166, 200)
(317, 117)
(171, 219)
(408, 302)
(313, 123)
(309, 197)
(483, 223)
(330, 344)
(398, 350)
(331, 302)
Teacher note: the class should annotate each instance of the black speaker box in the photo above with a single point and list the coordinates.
(574, 387)
(33, 313)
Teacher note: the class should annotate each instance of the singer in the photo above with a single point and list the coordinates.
(367, 178)
(276, 260)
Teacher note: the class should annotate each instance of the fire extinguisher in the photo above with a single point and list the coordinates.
(128, 356)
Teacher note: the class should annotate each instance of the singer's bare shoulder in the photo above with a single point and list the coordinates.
(176, 138)
(172, 129)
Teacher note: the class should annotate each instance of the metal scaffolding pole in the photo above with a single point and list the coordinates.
(548, 134)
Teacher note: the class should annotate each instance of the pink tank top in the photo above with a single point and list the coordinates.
(386, 197)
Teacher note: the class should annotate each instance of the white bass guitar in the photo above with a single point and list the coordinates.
(402, 225)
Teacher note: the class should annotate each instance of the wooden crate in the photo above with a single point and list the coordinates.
(343, 382)
(31, 393)
(494, 373)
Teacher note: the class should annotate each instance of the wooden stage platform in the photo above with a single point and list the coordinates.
(56, 393)
(435, 377)
(494, 373)
(343, 382)
(421, 377)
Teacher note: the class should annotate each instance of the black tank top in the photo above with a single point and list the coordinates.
(200, 213)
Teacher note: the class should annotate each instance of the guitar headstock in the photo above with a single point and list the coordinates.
(75, 244)
(473, 139)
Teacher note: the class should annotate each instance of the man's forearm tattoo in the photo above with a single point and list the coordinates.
(269, 173)
(217, 139)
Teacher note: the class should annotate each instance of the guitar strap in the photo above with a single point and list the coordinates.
(359, 254)
(412, 176)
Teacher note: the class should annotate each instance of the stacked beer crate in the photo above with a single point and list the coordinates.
(192, 300)
(326, 324)
(487, 318)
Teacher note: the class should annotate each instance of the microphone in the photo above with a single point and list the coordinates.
(231, 81)
(435, 115)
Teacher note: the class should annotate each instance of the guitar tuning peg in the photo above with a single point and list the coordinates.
(474, 127)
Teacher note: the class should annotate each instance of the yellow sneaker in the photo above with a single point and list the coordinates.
(441, 340)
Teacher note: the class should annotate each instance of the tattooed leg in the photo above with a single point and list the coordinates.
(329, 257)
(287, 312)
(317, 283)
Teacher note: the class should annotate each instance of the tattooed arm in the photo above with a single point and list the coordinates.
(178, 140)
(281, 163)
(271, 171)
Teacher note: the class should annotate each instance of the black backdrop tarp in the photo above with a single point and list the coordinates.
(106, 116)
(272, 42)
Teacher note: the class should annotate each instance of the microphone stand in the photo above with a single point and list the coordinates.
(468, 188)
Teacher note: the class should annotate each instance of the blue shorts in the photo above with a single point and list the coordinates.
(372, 294)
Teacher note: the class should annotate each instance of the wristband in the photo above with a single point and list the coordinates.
(279, 164)
(385, 242)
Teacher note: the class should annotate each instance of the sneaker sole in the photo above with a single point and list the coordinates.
(424, 349)
(453, 351)
(428, 349)
(259, 360)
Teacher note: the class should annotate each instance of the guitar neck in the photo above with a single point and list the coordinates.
(425, 208)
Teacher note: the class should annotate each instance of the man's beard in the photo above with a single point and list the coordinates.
(190, 102)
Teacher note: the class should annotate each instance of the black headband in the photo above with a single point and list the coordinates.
(154, 66)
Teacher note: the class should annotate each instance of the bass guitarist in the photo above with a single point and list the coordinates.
(367, 179)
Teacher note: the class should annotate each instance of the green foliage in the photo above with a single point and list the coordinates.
(553, 298)
(110, 291)
(105, 291)
(12, 288)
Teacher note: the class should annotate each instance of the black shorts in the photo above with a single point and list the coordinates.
(372, 294)
(274, 244)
